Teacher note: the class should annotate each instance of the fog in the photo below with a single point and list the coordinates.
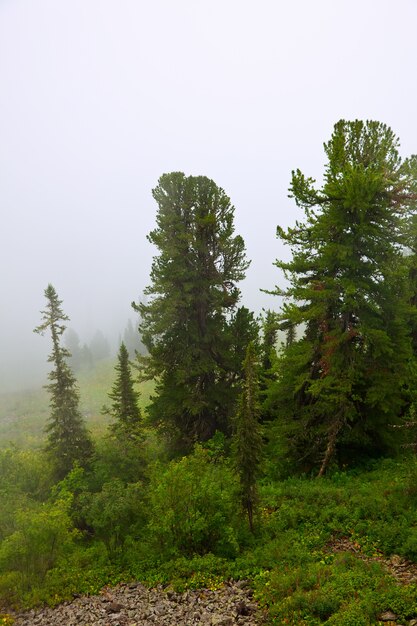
(100, 97)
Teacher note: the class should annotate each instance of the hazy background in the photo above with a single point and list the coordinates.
(100, 97)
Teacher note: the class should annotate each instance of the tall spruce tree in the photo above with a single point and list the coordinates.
(124, 408)
(68, 439)
(342, 384)
(247, 438)
(186, 322)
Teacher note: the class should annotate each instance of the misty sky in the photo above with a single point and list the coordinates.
(100, 97)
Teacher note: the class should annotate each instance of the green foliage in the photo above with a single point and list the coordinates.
(192, 507)
(68, 439)
(115, 457)
(41, 537)
(25, 480)
(24, 471)
(247, 439)
(124, 408)
(375, 510)
(304, 519)
(86, 570)
(185, 325)
(114, 513)
(208, 571)
(344, 377)
(346, 591)
(243, 329)
(110, 508)
(268, 356)
(343, 383)
(193, 534)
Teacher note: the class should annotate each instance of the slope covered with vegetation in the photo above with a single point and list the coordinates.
(23, 414)
(293, 467)
(322, 551)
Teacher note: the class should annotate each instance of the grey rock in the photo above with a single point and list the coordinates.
(134, 605)
(114, 607)
(221, 620)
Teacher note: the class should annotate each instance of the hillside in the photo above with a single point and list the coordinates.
(339, 551)
(23, 414)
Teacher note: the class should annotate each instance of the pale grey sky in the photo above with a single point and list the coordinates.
(98, 98)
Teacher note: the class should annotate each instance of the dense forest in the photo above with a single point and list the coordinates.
(277, 448)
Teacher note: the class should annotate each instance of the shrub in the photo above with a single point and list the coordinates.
(114, 512)
(40, 538)
(194, 507)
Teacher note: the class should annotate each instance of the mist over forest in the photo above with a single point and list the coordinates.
(239, 181)
(102, 100)
(23, 357)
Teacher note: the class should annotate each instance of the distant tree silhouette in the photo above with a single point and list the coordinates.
(132, 340)
(72, 343)
(99, 346)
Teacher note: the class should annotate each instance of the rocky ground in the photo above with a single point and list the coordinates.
(134, 605)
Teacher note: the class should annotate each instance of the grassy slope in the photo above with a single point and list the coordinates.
(292, 561)
(23, 414)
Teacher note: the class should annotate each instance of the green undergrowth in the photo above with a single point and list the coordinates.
(293, 561)
(344, 591)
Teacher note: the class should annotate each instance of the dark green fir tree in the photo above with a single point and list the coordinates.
(124, 408)
(243, 328)
(247, 438)
(186, 323)
(68, 439)
(343, 379)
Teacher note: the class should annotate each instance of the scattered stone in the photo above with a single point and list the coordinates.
(243, 609)
(387, 616)
(221, 620)
(135, 605)
(114, 607)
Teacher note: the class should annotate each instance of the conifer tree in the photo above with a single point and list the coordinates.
(270, 329)
(68, 439)
(247, 439)
(242, 329)
(268, 356)
(124, 408)
(411, 262)
(343, 383)
(186, 321)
